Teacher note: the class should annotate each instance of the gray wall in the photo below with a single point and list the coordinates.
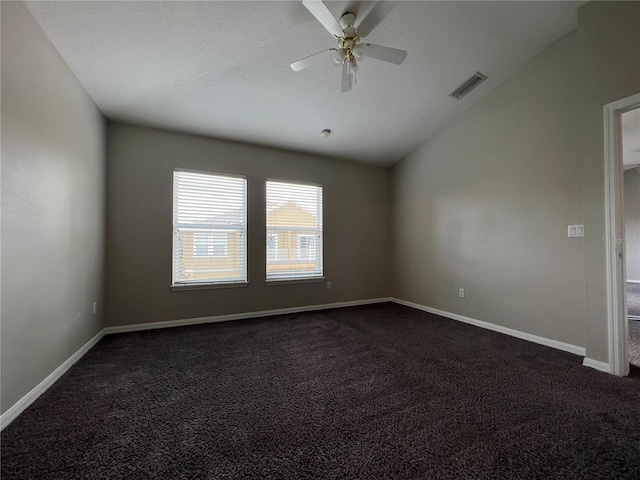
(53, 174)
(632, 222)
(609, 60)
(485, 202)
(139, 228)
(484, 205)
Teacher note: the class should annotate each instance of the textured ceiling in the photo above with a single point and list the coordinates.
(221, 69)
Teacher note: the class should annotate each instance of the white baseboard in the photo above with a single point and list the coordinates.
(602, 366)
(633, 281)
(30, 397)
(238, 316)
(18, 407)
(567, 347)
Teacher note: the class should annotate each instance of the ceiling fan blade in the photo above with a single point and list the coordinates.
(386, 54)
(375, 16)
(347, 82)
(310, 60)
(324, 16)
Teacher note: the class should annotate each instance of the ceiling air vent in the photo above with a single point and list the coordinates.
(469, 84)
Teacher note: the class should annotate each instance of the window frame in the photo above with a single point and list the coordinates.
(297, 277)
(177, 285)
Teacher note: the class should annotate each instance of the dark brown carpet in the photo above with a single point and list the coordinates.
(373, 392)
(634, 371)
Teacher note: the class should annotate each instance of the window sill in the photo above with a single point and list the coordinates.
(206, 286)
(291, 281)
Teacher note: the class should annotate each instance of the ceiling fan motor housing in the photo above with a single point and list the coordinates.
(347, 43)
(349, 32)
(347, 19)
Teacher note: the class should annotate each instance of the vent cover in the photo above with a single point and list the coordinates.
(469, 84)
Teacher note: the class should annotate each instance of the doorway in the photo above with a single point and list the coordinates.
(630, 126)
(622, 130)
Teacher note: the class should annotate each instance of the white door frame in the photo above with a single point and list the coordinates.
(614, 240)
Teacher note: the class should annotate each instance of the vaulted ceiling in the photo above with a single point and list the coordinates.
(221, 69)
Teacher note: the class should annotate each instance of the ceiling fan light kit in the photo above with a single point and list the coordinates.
(339, 56)
(350, 51)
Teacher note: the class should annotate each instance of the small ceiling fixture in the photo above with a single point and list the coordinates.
(350, 51)
(325, 133)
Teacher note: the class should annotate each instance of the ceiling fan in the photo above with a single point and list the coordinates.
(350, 51)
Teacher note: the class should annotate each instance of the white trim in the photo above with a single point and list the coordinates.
(238, 316)
(567, 347)
(614, 230)
(206, 286)
(293, 280)
(209, 172)
(591, 363)
(39, 389)
(294, 182)
(633, 281)
(18, 407)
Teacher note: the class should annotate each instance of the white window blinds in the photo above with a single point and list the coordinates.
(209, 228)
(294, 231)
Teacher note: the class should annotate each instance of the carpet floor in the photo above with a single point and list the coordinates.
(372, 392)
(634, 342)
(633, 300)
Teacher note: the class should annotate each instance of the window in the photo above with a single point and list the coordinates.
(306, 247)
(272, 247)
(209, 244)
(294, 231)
(209, 228)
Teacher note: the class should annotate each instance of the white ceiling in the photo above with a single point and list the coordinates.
(221, 69)
(631, 138)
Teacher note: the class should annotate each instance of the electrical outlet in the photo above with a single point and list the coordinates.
(95, 308)
(329, 286)
(461, 292)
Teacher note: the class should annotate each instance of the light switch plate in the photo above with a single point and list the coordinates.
(576, 231)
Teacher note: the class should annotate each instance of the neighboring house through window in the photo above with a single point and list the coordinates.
(306, 247)
(209, 228)
(272, 247)
(209, 244)
(294, 231)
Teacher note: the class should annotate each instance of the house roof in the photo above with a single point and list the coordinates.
(236, 216)
(276, 206)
